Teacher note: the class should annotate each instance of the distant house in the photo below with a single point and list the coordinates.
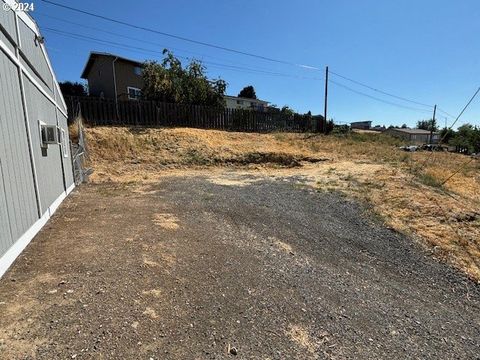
(235, 102)
(114, 77)
(379, 128)
(361, 125)
(416, 136)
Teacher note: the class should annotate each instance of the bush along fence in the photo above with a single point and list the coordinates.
(99, 112)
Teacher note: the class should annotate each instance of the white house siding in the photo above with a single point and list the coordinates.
(245, 104)
(33, 181)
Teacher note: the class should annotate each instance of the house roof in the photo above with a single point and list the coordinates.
(246, 99)
(414, 131)
(361, 122)
(94, 55)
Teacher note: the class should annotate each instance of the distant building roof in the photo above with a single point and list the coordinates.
(414, 131)
(95, 55)
(245, 99)
(360, 122)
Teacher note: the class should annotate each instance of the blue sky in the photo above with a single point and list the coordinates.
(423, 50)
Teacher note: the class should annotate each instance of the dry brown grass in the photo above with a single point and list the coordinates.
(404, 189)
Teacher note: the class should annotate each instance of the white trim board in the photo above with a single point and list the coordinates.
(24, 16)
(70, 188)
(57, 92)
(16, 249)
(25, 71)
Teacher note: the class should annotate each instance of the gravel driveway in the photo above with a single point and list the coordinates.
(194, 266)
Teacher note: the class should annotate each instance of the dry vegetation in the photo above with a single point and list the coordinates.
(404, 189)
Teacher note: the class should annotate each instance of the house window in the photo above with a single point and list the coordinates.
(239, 102)
(137, 70)
(134, 93)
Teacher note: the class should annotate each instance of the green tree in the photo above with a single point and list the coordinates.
(467, 136)
(287, 111)
(69, 88)
(476, 140)
(429, 125)
(329, 126)
(446, 135)
(171, 82)
(248, 92)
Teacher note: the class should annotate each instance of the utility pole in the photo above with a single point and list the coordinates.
(326, 100)
(432, 125)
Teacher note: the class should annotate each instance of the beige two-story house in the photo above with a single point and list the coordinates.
(113, 77)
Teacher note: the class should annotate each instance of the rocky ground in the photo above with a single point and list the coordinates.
(230, 266)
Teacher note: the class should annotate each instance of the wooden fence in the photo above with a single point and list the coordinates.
(98, 112)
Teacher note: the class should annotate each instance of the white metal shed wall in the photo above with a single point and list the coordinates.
(33, 182)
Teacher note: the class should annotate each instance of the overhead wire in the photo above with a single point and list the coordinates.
(174, 36)
(376, 98)
(228, 66)
(446, 133)
(379, 91)
(146, 50)
(240, 52)
(123, 36)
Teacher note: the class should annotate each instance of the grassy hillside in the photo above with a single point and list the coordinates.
(403, 189)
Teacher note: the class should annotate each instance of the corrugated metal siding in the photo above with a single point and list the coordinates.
(5, 231)
(7, 42)
(49, 167)
(36, 77)
(57, 96)
(67, 161)
(7, 19)
(16, 166)
(33, 52)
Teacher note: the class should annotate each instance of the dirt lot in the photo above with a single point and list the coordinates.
(404, 189)
(194, 262)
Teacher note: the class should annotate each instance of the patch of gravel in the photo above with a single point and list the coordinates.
(252, 269)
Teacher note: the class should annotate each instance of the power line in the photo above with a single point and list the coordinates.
(107, 42)
(465, 108)
(220, 65)
(133, 38)
(142, 49)
(446, 113)
(451, 126)
(457, 171)
(376, 98)
(178, 37)
(380, 91)
(213, 64)
(183, 38)
(223, 66)
(111, 33)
